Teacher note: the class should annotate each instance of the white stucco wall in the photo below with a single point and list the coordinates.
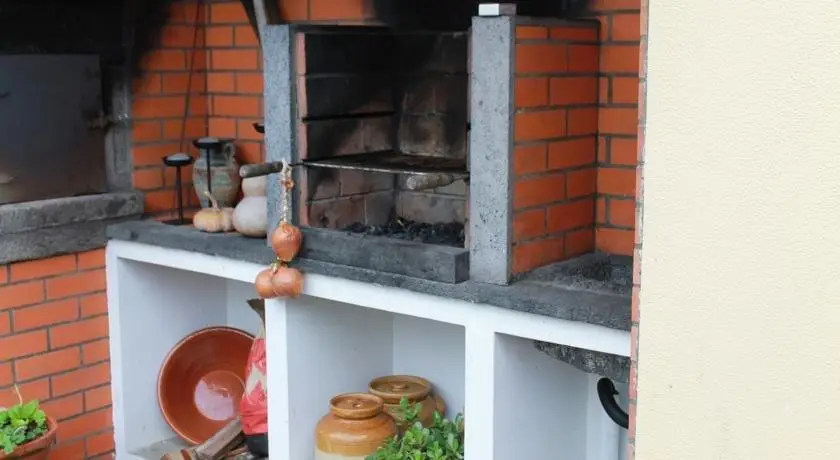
(740, 301)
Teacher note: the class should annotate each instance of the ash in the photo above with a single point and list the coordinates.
(447, 234)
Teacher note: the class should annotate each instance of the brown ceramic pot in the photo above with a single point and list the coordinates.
(418, 390)
(355, 427)
(38, 449)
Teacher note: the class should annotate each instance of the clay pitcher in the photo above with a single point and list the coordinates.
(417, 390)
(216, 160)
(355, 428)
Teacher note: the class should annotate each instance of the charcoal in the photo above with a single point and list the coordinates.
(446, 234)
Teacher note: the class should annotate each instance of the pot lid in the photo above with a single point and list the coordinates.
(356, 406)
(392, 388)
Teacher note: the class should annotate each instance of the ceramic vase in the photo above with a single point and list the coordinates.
(253, 410)
(417, 390)
(355, 428)
(216, 165)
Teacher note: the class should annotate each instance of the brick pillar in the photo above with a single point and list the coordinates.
(534, 110)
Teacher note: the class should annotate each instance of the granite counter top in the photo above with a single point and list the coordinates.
(593, 289)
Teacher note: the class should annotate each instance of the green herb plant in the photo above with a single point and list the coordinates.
(21, 424)
(444, 440)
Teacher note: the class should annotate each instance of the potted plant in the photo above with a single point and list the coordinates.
(25, 431)
(444, 440)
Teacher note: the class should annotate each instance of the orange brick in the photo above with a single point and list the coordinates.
(626, 27)
(4, 274)
(533, 254)
(5, 374)
(538, 190)
(64, 408)
(617, 181)
(20, 294)
(622, 213)
(75, 284)
(250, 152)
(81, 379)
(222, 127)
(545, 124)
(245, 130)
(147, 84)
(46, 314)
(178, 83)
(571, 153)
(244, 36)
(5, 324)
(95, 352)
(86, 424)
(148, 178)
(196, 127)
(574, 90)
(618, 120)
(579, 242)
(236, 106)
(584, 58)
(180, 36)
(168, 59)
(581, 182)
(529, 159)
(623, 151)
(249, 83)
(94, 304)
(228, 13)
(235, 59)
(78, 332)
(325, 10)
(568, 216)
(98, 398)
(603, 148)
(531, 92)
(582, 121)
(601, 211)
(151, 155)
(48, 363)
(39, 389)
(159, 107)
(100, 443)
(161, 200)
(540, 58)
(91, 259)
(574, 33)
(69, 450)
(625, 90)
(219, 36)
(294, 10)
(43, 268)
(614, 241)
(145, 131)
(221, 82)
(615, 5)
(531, 32)
(529, 224)
(620, 58)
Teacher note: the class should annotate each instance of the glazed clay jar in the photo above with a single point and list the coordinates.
(418, 390)
(355, 427)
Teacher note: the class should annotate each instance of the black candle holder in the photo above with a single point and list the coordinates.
(178, 161)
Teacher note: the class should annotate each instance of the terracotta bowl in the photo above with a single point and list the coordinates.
(202, 381)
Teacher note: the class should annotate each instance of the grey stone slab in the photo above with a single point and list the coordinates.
(408, 258)
(491, 147)
(604, 364)
(280, 109)
(556, 300)
(39, 229)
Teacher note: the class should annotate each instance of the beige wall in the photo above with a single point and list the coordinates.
(740, 302)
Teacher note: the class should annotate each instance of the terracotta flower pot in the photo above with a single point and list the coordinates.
(38, 449)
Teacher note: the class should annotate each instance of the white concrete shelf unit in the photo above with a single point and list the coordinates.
(519, 403)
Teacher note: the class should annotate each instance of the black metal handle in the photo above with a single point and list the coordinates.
(606, 393)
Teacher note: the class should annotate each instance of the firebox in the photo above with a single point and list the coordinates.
(442, 155)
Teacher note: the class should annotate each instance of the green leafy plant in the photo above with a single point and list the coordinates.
(21, 424)
(444, 440)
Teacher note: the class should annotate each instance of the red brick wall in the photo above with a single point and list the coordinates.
(54, 346)
(555, 133)
(617, 125)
